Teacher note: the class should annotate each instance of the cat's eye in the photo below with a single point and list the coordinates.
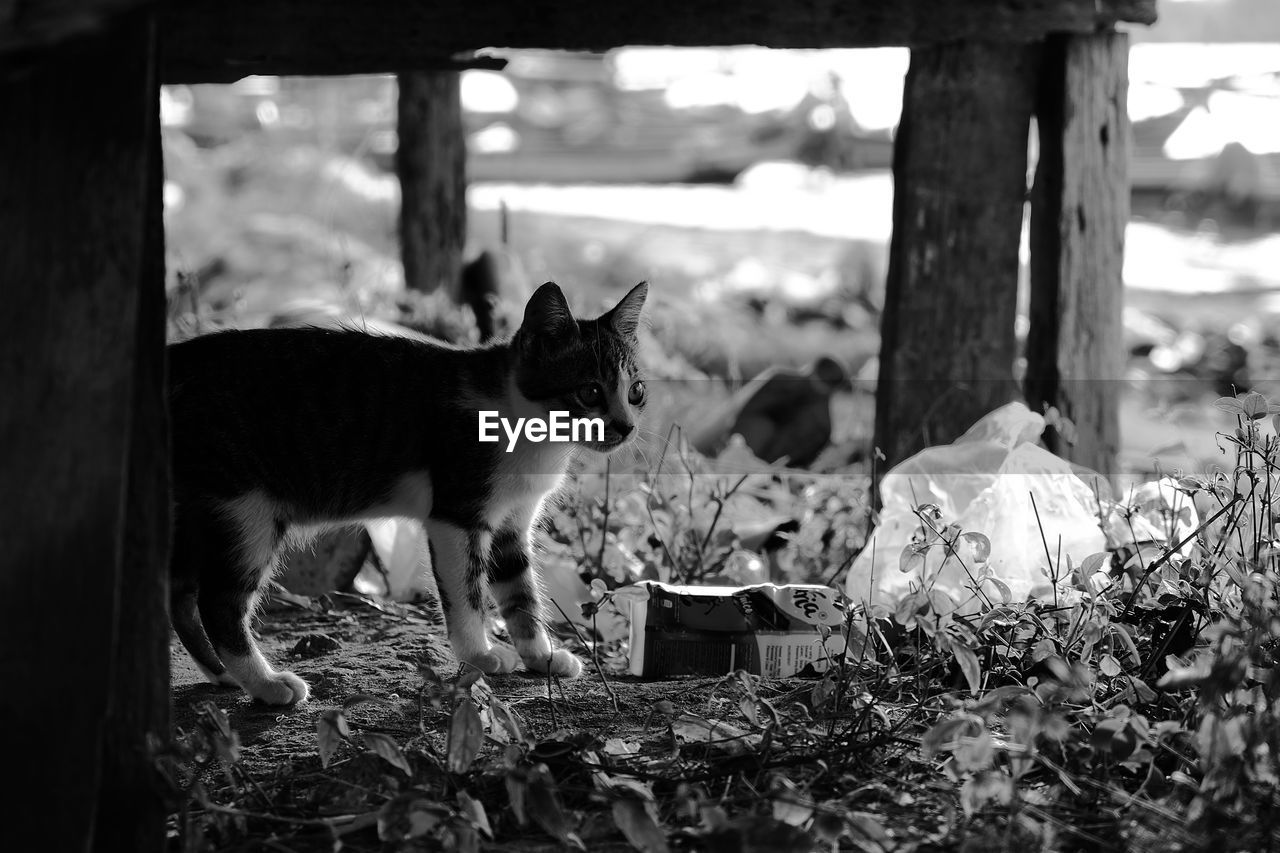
(635, 396)
(591, 394)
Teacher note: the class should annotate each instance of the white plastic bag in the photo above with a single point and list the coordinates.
(984, 482)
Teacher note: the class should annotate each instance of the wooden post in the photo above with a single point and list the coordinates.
(1080, 206)
(960, 175)
(82, 449)
(132, 811)
(431, 161)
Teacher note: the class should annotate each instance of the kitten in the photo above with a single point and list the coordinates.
(279, 431)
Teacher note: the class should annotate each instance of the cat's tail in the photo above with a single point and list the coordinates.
(184, 613)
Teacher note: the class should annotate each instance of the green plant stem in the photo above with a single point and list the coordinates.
(604, 524)
(950, 549)
(1173, 550)
(608, 688)
(648, 501)
(721, 502)
(1053, 570)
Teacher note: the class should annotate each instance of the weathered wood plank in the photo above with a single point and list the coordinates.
(431, 162)
(131, 814)
(78, 201)
(960, 169)
(31, 25)
(1080, 205)
(209, 40)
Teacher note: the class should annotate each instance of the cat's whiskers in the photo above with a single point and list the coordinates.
(636, 452)
(662, 441)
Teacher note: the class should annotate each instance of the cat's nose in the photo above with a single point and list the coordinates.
(623, 429)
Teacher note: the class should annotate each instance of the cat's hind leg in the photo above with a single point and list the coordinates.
(458, 561)
(520, 601)
(242, 545)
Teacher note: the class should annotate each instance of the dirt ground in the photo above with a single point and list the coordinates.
(377, 651)
(344, 646)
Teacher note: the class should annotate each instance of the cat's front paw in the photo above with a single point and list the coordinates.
(497, 660)
(280, 688)
(562, 663)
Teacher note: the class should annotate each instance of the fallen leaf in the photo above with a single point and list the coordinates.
(362, 698)
(387, 749)
(466, 734)
(713, 732)
(473, 810)
(331, 729)
(985, 787)
(636, 820)
(968, 661)
(507, 719)
(409, 816)
(544, 807)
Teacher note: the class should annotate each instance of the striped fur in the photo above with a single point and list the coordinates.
(278, 433)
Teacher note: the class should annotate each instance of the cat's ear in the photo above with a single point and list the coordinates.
(548, 314)
(625, 316)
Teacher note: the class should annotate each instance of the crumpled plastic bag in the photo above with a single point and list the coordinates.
(984, 483)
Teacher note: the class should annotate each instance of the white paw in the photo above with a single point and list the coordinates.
(496, 660)
(562, 663)
(280, 688)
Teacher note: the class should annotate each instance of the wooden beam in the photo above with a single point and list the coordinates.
(210, 40)
(131, 815)
(431, 162)
(179, 70)
(81, 202)
(32, 25)
(960, 175)
(1080, 206)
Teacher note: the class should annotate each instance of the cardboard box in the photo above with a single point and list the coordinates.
(765, 629)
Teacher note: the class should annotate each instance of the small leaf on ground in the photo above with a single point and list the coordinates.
(466, 734)
(473, 810)
(714, 732)
(387, 749)
(637, 821)
(985, 787)
(331, 729)
(545, 808)
(968, 661)
(361, 699)
(409, 816)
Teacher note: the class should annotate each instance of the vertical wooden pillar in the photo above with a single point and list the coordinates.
(81, 441)
(960, 175)
(1080, 206)
(131, 812)
(431, 161)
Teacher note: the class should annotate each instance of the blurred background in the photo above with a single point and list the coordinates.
(752, 188)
